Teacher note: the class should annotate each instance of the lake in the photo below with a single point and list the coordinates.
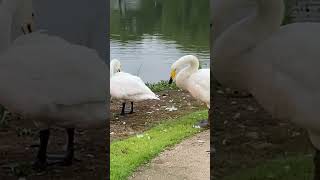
(147, 36)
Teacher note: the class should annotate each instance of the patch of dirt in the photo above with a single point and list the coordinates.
(246, 135)
(16, 153)
(189, 160)
(149, 113)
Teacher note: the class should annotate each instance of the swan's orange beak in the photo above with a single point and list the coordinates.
(172, 76)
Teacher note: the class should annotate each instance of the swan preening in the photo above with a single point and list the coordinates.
(187, 75)
(53, 83)
(127, 87)
(277, 64)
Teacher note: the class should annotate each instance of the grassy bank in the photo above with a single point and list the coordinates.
(161, 86)
(299, 167)
(127, 155)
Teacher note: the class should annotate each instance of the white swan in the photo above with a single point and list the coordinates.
(187, 75)
(278, 65)
(127, 87)
(54, 83)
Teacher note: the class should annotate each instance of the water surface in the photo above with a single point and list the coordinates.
(147, 36)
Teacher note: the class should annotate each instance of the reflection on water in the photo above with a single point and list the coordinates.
(147, 36)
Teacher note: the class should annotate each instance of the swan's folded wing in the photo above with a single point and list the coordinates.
(126, 86)
(199, 85)
(294, 56)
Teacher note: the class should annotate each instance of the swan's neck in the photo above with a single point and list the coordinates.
(192, 67)
(14, 13)
(21, 17)
(112, 68)
(6, 18)
(248, 32)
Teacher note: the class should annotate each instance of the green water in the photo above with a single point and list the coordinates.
(147, 36)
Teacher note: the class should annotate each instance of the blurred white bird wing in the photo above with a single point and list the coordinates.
(300, 61)
(52, 68)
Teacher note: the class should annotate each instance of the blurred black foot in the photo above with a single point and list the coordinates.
(59, 159)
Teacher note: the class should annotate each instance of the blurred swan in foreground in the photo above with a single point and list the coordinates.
(187, 75)
(278, 65)
(17, 14)
(127, 87)
(53, 83)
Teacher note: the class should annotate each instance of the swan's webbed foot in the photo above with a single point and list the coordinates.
(52, 159)
(60, 159)
(203, 123)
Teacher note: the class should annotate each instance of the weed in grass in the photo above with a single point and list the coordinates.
(161, 86)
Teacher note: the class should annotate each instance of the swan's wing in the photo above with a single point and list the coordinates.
(199, 85)
(136, 78)
(126, 86)
(285, 75)
(49, 70)
(294, 56)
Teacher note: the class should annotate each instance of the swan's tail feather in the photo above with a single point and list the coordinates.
(157, 98)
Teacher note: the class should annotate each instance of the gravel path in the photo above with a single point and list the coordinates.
(187, 160)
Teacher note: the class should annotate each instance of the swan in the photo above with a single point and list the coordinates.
(53, 83)
(277, 64)
(187, 75)
(127, 87)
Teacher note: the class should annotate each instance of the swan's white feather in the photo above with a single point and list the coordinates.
(199, 85)
(279, 66)
(54, 82)
(127, 87)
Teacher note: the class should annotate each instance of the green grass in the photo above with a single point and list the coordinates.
(127, 155)
(161, 86)
(299, 167)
